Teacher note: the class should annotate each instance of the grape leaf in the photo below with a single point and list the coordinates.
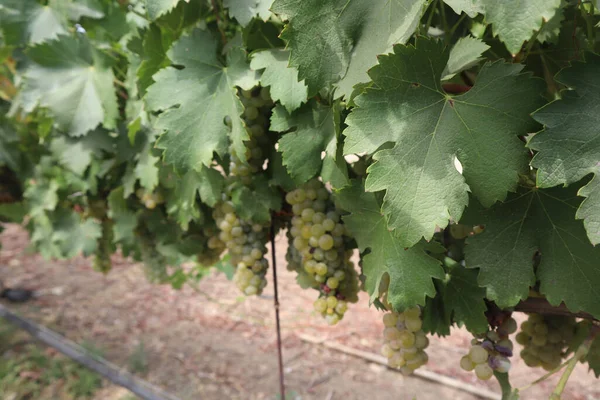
(27, 22)
(156, 8)
(538, 220)
(465, 53)
(569, 146)
(514, 21)
(41, 196)
(407, 105)
(593, 357)
(464, 300)
(469, 7)
(301, 149)
(411, 270)
(125, 220)
(197, 99)
(244, 10)
(74, 235)
(74, 81)
(281, 79)
(146, 170)
(154, 56)
(340, 39)
(255, 202)
(182, 200)
(210, 186)
(76, 153)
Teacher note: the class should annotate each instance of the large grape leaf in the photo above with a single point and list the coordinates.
(156, 8)
(465, 53)
(125, 220)
(464, 299)
(339, 40)
(281, 79)
(301, 149)
(182, 201)
(514, 21)
(569, 146)
(407, 105)
(74, 81)
(75, 235)
(77, 153)
(256, 201)
(197, 99)
(28, 22)
(244, 10)
(538, 220)
(411, 270)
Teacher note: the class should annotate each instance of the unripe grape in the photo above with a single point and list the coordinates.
(390, 319)
(483, 372)
(478, 354)
(326, 242)
(467, 364)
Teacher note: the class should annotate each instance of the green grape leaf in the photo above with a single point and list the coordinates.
(407, 105)
(42, 196)
(125, 220)
(281, 79)
(569, 146)
(436, 320)
(74, 235)
(146, 170)
(513, 21)
(301, 149)
(464, 300)
(339, 40)
(76, 153)
(244, 10)
(27, 22)
(469, 7)
(74, 81)
(593, 357)
(182, 200)
(411, 270)
(256, 202)
(156, 8)
(335, 168)
(154, 56)
(204, 84)
(465, 53)
(541, 221)
(210, 186)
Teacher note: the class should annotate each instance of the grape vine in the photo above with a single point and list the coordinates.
(443, 159)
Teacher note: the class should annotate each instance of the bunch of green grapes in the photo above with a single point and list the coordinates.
(318, 238)
(257, 110)
(104, 249)
(491, 351)
(214, 246)
(246, 243)
(155, 263)
(546, 339)
(150, 199)
(404, 340)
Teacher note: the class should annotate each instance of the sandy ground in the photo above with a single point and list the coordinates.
(215, 344)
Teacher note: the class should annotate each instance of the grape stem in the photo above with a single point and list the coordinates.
(581, 352)
(541, 306)
(276, 305)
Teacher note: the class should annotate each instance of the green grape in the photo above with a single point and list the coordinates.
(484, 371)
(403, 348)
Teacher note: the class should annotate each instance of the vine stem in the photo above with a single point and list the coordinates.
(276, 305)
(581, 352)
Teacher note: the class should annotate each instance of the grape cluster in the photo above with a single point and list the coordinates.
(317, 235)
(257, 108)
(150, 199)
(405, 341)
(214, 247)
(246, 243)
(490, 352)
(545, 340)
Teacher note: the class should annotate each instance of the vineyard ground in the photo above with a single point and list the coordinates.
(213, 344)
